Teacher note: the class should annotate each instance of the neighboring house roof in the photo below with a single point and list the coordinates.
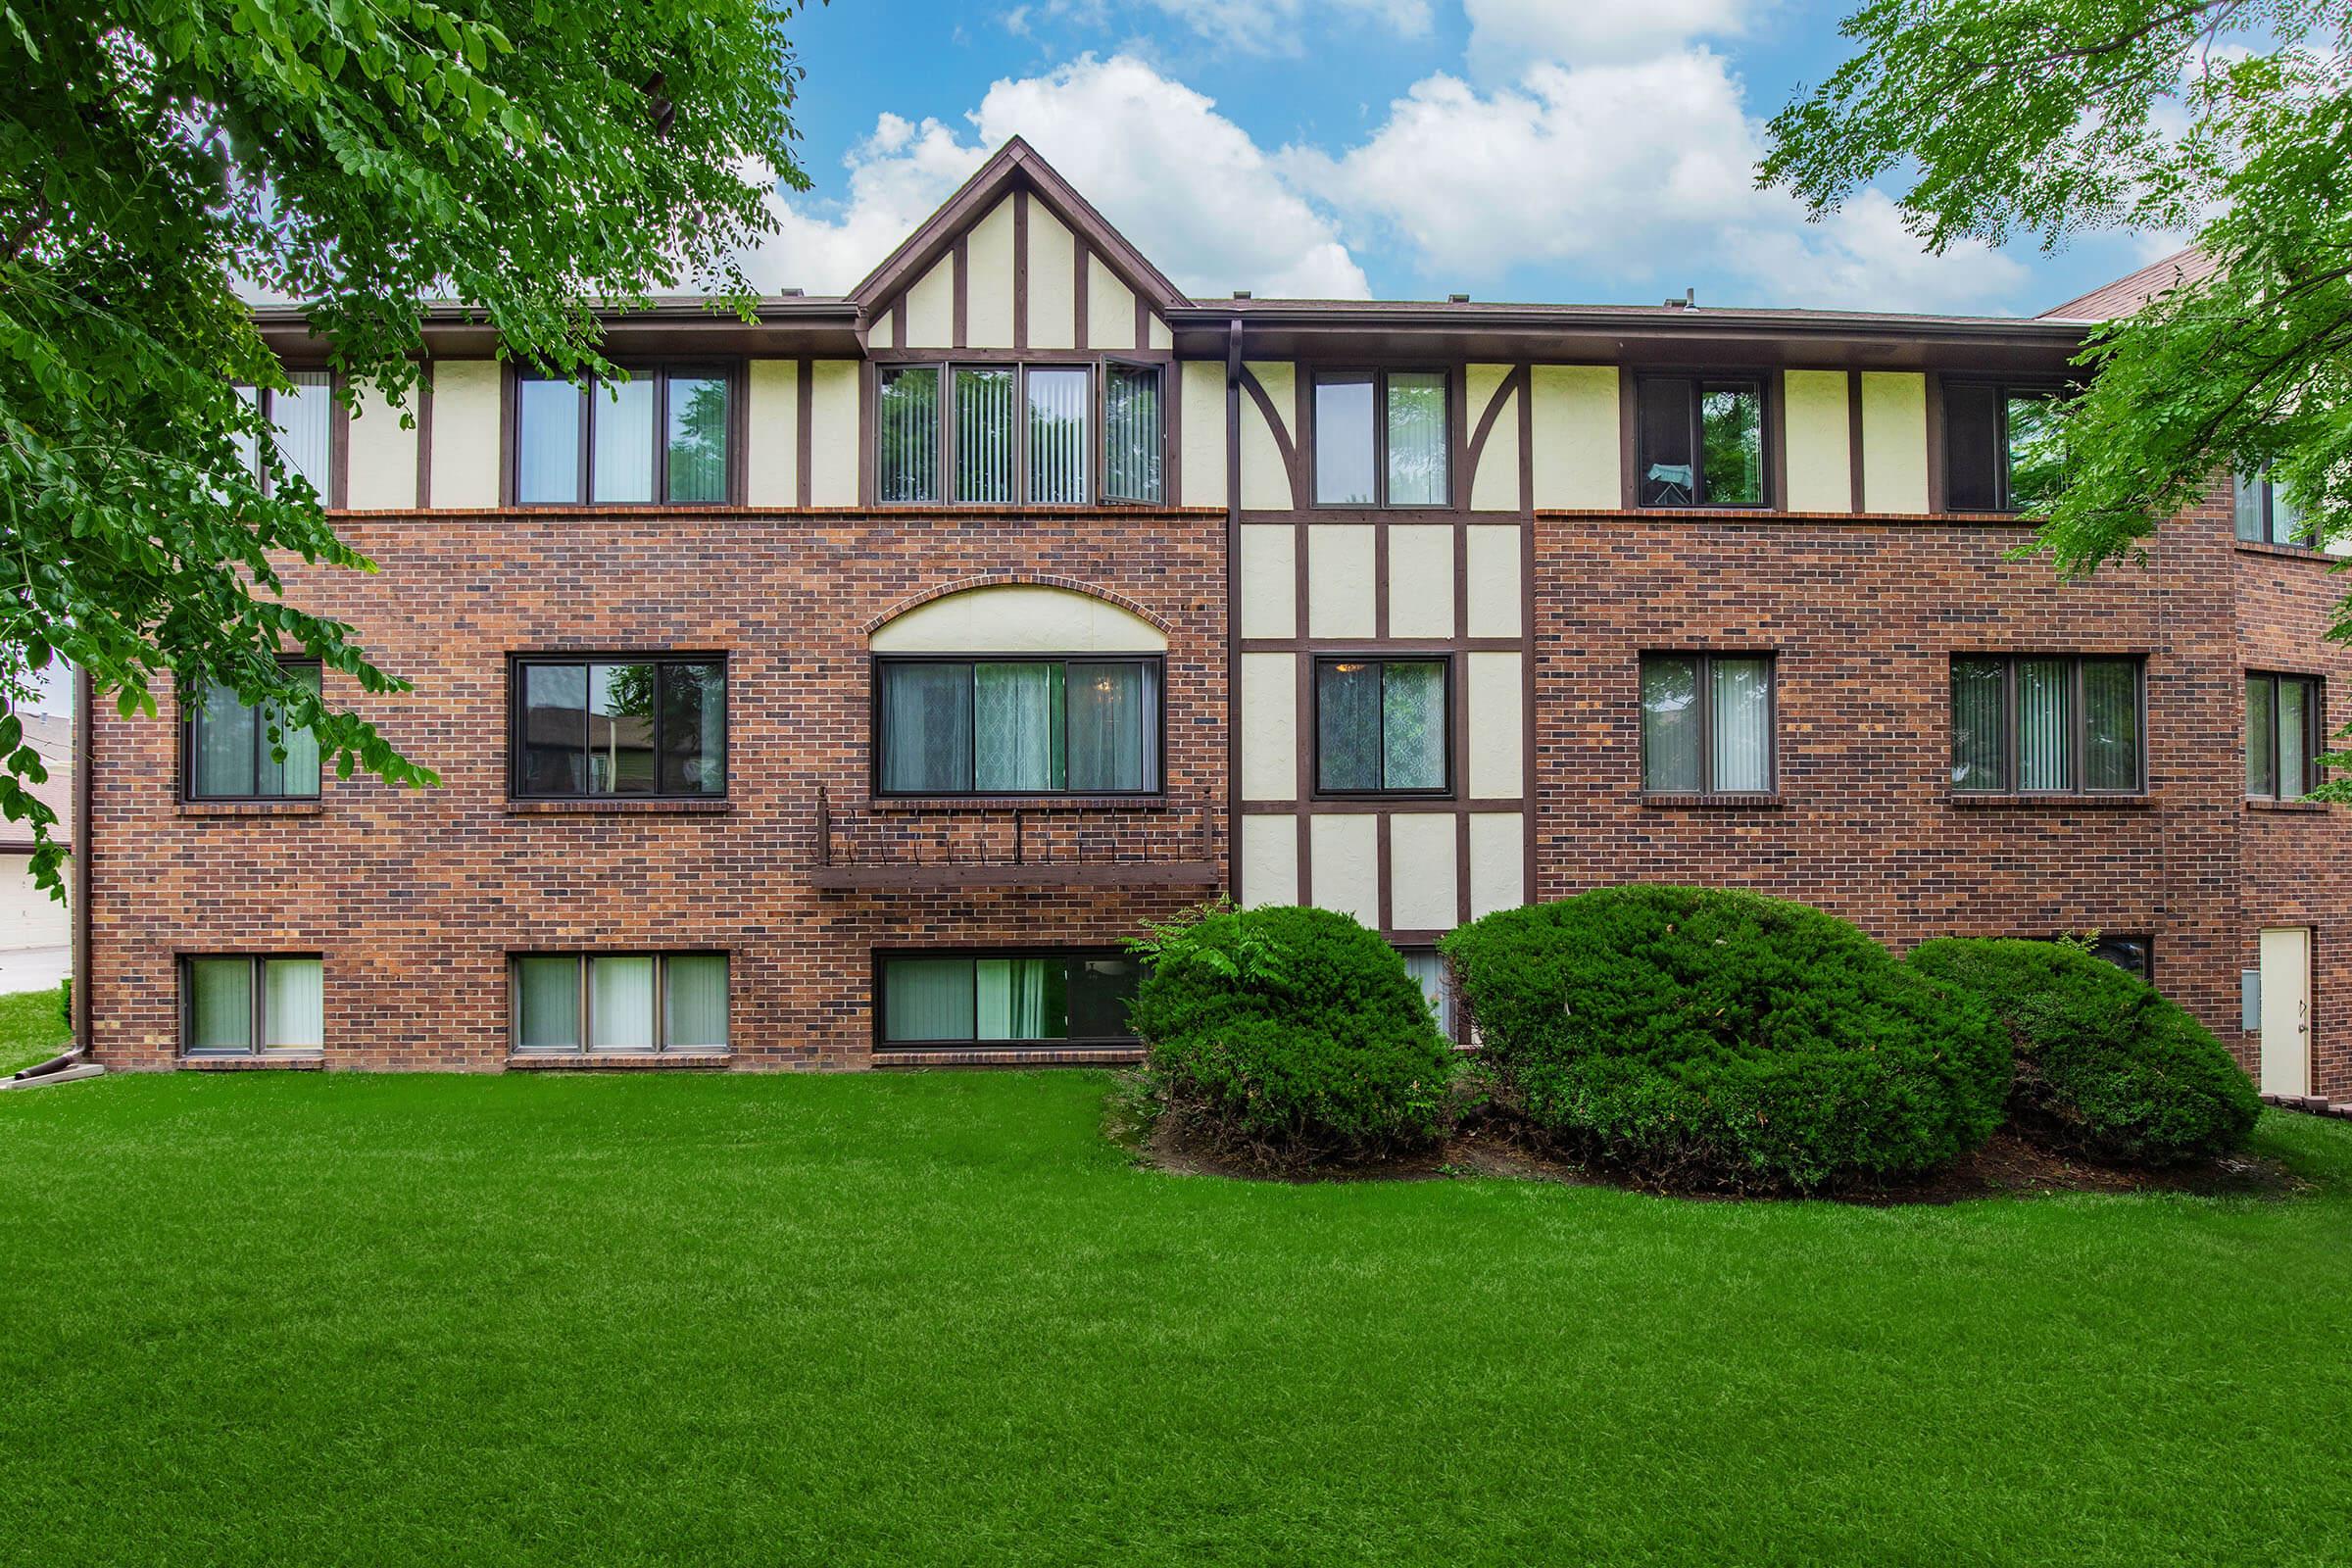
(51, 735)
(2134, 289)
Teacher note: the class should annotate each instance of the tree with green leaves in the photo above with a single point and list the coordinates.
(163, 160)
(2227, 121)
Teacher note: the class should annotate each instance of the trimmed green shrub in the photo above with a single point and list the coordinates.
(1698, 1037)
(1289, 1036)
(2107, 1068)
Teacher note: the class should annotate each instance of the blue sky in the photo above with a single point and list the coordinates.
(1586, 150)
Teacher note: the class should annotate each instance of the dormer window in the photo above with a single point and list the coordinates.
(1003, 434)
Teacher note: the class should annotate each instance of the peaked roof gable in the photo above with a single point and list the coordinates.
(1015, 166)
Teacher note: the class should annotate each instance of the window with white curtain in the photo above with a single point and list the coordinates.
(2286, 734)
(663, 435)
(1017, 726)
(618, 1002)
(1381, 438)
(2047, 725)
(1428, 970)
(1381, 726)
(1707, 724)
(236, 753)
(253, 1005)
(1005, 998)
(302, 417)
(999, 433)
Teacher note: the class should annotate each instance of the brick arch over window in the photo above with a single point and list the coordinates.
(1013, 612)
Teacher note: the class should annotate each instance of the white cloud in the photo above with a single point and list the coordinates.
(1245, 27)
(1508, 35)
(898, 177)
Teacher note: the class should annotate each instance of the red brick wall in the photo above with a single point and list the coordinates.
(415, 898)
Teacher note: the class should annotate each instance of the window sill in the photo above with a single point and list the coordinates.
(2307, 807)
(1708, 799)
(1006, 1055)
(1020, 803)
(2056, 802)
(616, 807)
(284, 1062)
(252, 808)
(625, 1061)
(2258, 547)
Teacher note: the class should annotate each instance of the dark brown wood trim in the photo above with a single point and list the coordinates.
(1527, 446)
(868, 389)
(1078, 281)
(1773, 390)
(1384, 805)
(1383, 902)
(804, 417)
(1020, 274)
(425, 437)
(898, 322)
(1233, 607)
(739, 432)
(1143, 323)
(1171, 410)
(1853, 436)
(959, 278)
(1937, 476)
(508, 447)
(1379, 581)
(1629, 438)
(338, 444)
(1486, 423)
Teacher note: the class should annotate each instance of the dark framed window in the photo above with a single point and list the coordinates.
(251, 1005)
(1005, 998)
(1382, 438)
(2285, 735)
(2001, 446)
(1073, 725)
(2266, 515)
(234, 752)
(1428, 969)
(1383, 725)
(662, 435)
(303, 418)
(1038, 433)
(652, 727)
(2049, 724)
(1707, 724)
(1700, 442)
(2133, 955)
(587, 1002)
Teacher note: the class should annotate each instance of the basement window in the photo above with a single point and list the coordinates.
(620, 1002)
(1005, 998)
(253, 1005)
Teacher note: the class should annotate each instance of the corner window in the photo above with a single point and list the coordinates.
(1005, 998)
(236, 753)
(2285, 733)
(303, 418)
(2001, 450)
(647, 727)
(247, 1005)
(660, 436)
(2266, 514)
(620, 1002)
(1017, 726)
(1706, 724)
(1701, 442)
(2047, 725)
(1381, 726)
(995, 434)
(1381, 438)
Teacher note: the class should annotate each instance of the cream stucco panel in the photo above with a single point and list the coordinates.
(1420, 584)
(1269, 727)
(1269, 580)
(987, 280)
(1269, 860)
(772, 424)
(465, 432)
(885, 333)
(1575, 422)
(1110, 307)
(1422, 883)
(1495, 487)
(1053, 290)
(1018, 618)
(1493, 567)
(1820, 439)
(1895, 441)
(1266, 479)
(1494, 715)
(380, 462)
(931, 307)
(833, 433)
(1498, 862)
(1346, 863)
(1162, 337)
(1339, 581)
(1202, 459)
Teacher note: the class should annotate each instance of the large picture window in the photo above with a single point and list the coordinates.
(647, 727)
(302, 417)
(1017, 726)
(1706, 724)
(2047, 725)
(245, 1004)
(1381, 726)
(2001, 450)
(236, 753)
(995, 434)
(1701, 442)
(1008, 999)
(2285, 733)
(1381, 438)
(662, 435)
(620, 1002)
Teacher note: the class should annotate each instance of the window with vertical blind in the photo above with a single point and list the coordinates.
(1017, 726)
(231, 752)
(2285, 735)
(2047, 725)
(662, 435)
(587, 1002)
(1700, 442)
(1381, 726)
(1008, 997)
(647, 727)
(1381, 438)
(251, 1005)
(1428, 969)
(1707, 724)
(2266, 514)
(1035, 434)
(2001, 446)
(301, 419)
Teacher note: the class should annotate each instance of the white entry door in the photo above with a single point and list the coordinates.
(2286, 1010)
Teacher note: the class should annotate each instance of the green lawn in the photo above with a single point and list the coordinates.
(936, 1318)
(32, 1029)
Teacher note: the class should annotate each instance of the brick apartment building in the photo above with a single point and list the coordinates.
(844, 689)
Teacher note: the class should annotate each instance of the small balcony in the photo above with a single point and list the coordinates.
(984, 846)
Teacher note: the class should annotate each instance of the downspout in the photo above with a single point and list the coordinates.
(74, 1062)
(1233, 609)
